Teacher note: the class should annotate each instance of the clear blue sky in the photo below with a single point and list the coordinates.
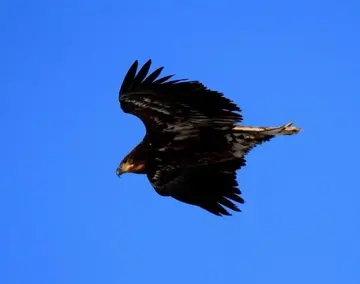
(67, 218)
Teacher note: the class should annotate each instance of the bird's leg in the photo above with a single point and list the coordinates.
(286, 129)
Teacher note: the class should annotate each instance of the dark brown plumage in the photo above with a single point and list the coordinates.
(192, 147)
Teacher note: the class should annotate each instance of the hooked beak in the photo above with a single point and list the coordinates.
(119, 172)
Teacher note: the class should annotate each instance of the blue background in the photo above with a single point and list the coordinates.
(67, 218)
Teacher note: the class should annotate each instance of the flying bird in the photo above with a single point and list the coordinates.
(193, 144)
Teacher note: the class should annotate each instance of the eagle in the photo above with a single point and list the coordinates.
(193, 144)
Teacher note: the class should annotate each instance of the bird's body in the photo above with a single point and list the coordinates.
(193, 145)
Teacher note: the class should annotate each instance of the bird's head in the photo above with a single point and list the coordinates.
(129, 165)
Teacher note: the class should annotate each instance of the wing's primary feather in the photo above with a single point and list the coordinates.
(141, 75)
(129, 78)
(153, 76)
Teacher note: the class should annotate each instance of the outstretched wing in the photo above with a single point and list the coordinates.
(211, 187)
(174, 106)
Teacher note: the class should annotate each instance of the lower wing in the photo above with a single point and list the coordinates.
(211, 187)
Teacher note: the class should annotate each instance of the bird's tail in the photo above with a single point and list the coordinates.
(286, 129)
(247, 137)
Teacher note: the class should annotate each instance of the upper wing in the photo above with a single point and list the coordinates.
(211, 187)
(177, 106)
